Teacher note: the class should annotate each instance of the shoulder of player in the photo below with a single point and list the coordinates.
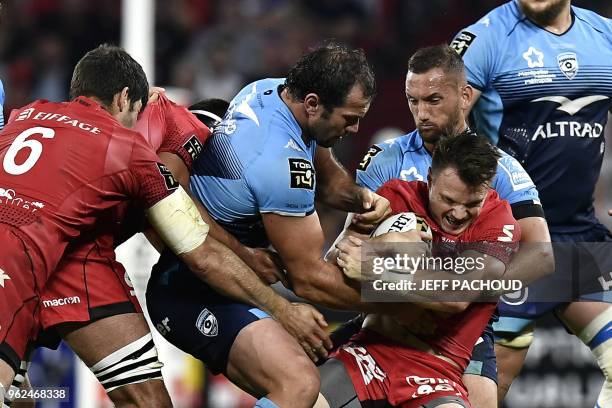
(403, 187)
(277, 152)
(596, 21)
(507, 162)
(128, 137)
(406, 196)
(496, 215)
(494, 207)
(498, 22)
(399, 145)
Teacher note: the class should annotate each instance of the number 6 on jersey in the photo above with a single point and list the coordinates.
(19, 143)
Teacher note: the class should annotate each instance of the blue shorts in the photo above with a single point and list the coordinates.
(192, 316)
(483, 360)
(516, 318)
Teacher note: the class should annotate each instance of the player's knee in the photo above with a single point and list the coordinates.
(7, 374)
(301, 378)
(597, 336)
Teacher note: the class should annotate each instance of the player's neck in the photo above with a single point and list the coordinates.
(296, 110)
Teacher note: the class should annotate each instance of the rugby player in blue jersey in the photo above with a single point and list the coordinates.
(542, 73)
(259, 175)
(439, 97)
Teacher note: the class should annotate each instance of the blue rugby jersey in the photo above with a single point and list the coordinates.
(406, 158)
(545, 100)
(256, 162)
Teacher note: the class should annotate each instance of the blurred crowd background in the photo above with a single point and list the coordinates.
(211, 48)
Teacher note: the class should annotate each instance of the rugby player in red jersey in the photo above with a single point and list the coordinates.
(87, 274)
(68, 170)
(385, 362)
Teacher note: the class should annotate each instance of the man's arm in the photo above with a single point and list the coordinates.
(299, 241)
(535, 258)
(349, 256)
(337, 189)
(179, 224)
(260, 261)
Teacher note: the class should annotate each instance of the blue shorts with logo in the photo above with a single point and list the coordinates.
(517, 318)
(192, 316)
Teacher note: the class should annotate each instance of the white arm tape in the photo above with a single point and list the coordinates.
(178, 222)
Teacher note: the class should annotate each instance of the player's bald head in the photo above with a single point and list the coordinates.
(439, 56)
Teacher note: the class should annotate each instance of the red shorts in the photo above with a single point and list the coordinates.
(382, 370)
(21, 275)
(87, 285)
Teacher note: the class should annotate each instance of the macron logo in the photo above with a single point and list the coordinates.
(571, 106)
(71, 300)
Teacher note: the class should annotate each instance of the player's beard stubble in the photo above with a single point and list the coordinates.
(543, 14)
(453, 126)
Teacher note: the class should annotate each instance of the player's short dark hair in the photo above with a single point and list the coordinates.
(212, 105)
(438, 56)
(474, 158)
(105, 71)
(331, 71)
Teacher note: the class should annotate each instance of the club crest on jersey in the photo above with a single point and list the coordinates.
(568, 64)
(302, 174)
(462, 42)
(193, 147)
(207, 324)
(169, 179)
(367, 159)
(516, 298)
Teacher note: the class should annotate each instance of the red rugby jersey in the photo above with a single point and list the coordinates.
(169, 127)
(456, 335)
(66, 166)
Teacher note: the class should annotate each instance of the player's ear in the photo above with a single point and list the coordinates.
(467, 92)
(123, 101)
(312, 102)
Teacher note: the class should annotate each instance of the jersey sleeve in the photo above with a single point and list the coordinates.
(513, 184)
(476, 45)
(283, 184)
(151, 124)
(183, 135)
(152, 180)
(378, 166)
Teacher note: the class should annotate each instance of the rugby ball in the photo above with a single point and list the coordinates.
(401, 222)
